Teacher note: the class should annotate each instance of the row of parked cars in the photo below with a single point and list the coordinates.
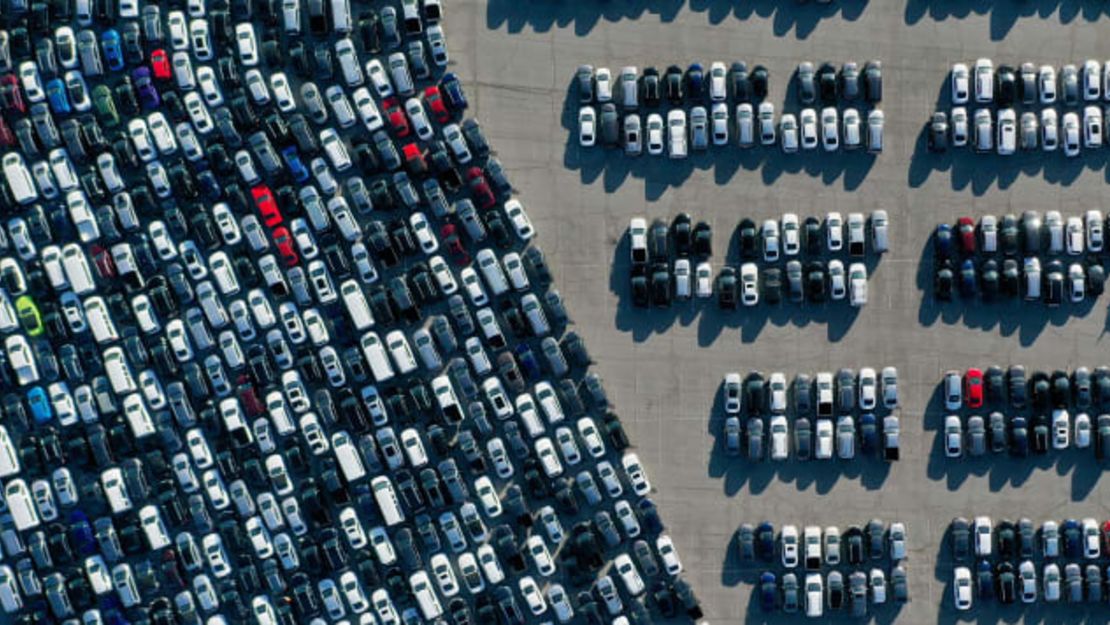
(682, 131)
(817, 549)
(1039, 391)
(776, 436)
(996, 548)
(975, 435)
(284, 353)
(769, 242)
(1028, 84)
(1053, 283)
(633, 88)
(1029, 235)
(1006, 134)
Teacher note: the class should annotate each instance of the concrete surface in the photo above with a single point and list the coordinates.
(663, 368)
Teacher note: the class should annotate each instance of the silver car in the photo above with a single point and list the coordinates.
(633, 140)
(699, 128)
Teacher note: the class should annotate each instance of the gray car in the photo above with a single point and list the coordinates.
(998, 432)
(849, 81)
(1069, 85)
(755, 438)
(699, 128)
(807, 86)
(857, 593)
(732, 436)
(794, 280)
(976, 436)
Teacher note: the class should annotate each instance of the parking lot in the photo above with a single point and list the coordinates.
(663, 367)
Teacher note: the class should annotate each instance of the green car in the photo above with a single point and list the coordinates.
(29, 315)
(105, 105)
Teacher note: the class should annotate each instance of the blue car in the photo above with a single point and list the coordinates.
(452, 88)
(293, 161)
(528, 362)
(41, 409)
(969, 283)
(768, 592)
(113, 50)
(943, 243)
(81, 533)
(56, 96)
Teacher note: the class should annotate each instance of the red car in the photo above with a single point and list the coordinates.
(396, 116)
(965, 230)
(414, 159)
(1106, 537)
(11, 94)
(434, 101)
(267, 207)
(160, 63)
(249, 397)
(973, 388)
(284, 242)
(454, 246)
(479, 188)
(7, 139)
(102, 260)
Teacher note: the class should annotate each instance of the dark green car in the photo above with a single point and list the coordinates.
(105, 105)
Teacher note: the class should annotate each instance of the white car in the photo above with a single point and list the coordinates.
(1092, 80)
(780, 445)
(853, 129)
(749, 284)
(655, 141)
(953, 436)
(603, 81)
(519, 219)
(718, 92)
(838, 280)
(809, 129)
(669, 555)
(1046, 84)
(791, 235)
(1092, 127)
(834, 231)
(984, 80)
(676, 133)
(1071, 134)
(732, 390)
(766, 123)
(636, 476)
(961, 129)
(1093, 219)
(682, 278)
(788, 130)
(983, 530)
(961, 83)
(703, 279)
(789, 541)
(770, 236)
(1007, 132)
(587, 126)
(814, 595)
(719, 123)
(824, 448)
(857, 284)
(1090, 539)
(961, 588)
(745, 125)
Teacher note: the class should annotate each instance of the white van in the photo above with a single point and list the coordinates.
(446, 398)
(100, 320)
(357, 307)
(376, 357)
(154, 528)
(9, 458)
(347, 454)
(401, 351)
(21, 505)
(425, 595)
(138, 417)
(111, 480)
(126, 587)
(51, 258)
(119, 372)
(386, 498)
(19, 178)
(341, 16)
(76, 266)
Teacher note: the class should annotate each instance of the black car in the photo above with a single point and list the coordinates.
(827, 83)
(641, 295)
(759, 79)
(745, 542)
(755, 393)
(682, 229)
(944, 281)
(937, 130)
(658, 242)
(749, 238)
(1006, 582)
(772, 285)
(672, 82)
(995, 380)
(695, 82)
(853, 540)
(990, 279)
(960, 538)
(1010, 278)
(661, 285)
(739, 86)
(873, 81)
(765, 541)
(703, 239)
(811, 235)
(1006, 85)
(727, 288)
(1096, 279)
(815, 281)
(803, 438)
(650, 88)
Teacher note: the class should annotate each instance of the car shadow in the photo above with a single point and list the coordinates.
(661, 173)
(1004, 14)
(1006, 315)
(786, 17)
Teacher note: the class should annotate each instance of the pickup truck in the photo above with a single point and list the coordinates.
(891, 441)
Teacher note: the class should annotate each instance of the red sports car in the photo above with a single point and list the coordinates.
(267, 207)
(973, 388)
(396, 116)
(160, 63)
(284, 242)
(965, 229)
(434, 100)
(479, 188)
